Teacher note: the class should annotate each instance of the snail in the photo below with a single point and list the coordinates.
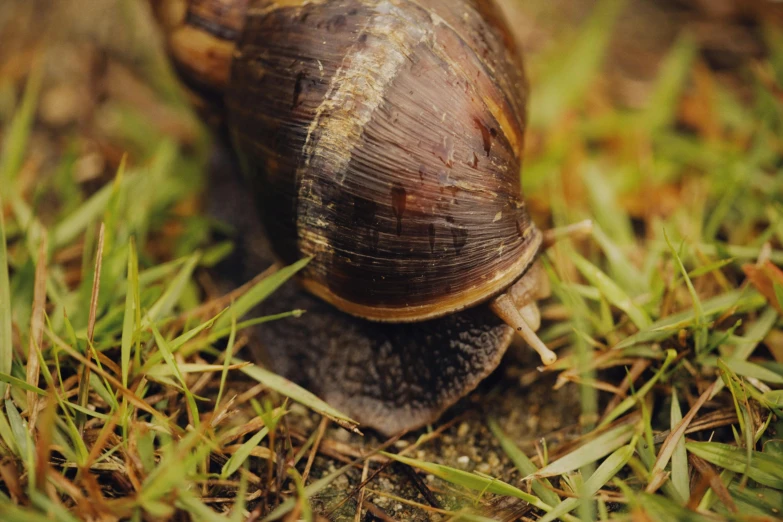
(383, 140)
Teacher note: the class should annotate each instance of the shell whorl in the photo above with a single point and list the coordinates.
(201, 37)
(385, 137)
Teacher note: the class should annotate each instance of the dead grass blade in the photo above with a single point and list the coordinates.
(84, 380)
(670, 444)
(36, 329)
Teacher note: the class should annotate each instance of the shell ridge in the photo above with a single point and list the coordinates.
(356, 91)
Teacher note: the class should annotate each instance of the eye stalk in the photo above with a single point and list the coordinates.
(517, 306)
(504, 307)
(573, 231)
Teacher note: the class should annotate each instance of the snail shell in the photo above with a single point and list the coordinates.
(382, 138)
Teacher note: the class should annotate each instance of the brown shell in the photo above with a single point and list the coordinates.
(384, 140)
(201, 35)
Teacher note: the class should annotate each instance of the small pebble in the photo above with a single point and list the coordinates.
(463, 461)
(493, 460)
(61, 105)
(341, 435)
(89, 166)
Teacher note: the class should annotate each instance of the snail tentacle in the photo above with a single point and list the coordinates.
(505, 308)
(517, 306)
(573, 231)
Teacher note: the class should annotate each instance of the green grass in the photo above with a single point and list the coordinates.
(123, 383)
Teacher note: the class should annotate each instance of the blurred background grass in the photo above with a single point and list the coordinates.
(661, 121)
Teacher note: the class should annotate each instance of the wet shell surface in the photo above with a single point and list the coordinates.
(383, 139)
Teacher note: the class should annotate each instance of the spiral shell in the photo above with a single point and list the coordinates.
(383, 139)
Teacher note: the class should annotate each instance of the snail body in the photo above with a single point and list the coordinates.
(382, 139)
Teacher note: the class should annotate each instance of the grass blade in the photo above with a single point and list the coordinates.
(568, 79)
(165, 351)
(242, 454)
(6, 326)
(132, 318)
(541, 487)
(603, 474)
(659, 509)
(674, 72)
(589, 452)
(7, 434)
(675, 438)
(36, 328)
(187, 501)
(17, 134)
(740, 300)
(764, 469)
(698, 309)
(229, 354)
(22, 385)
(168, 300)
(295, 392)
(628, 402)
(261, 291)
(680, 477)
(611, 291)
(473, 481)
(21, 434)
(67, 230)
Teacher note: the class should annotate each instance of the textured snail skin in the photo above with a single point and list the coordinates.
(383, 138)
(390, 377)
